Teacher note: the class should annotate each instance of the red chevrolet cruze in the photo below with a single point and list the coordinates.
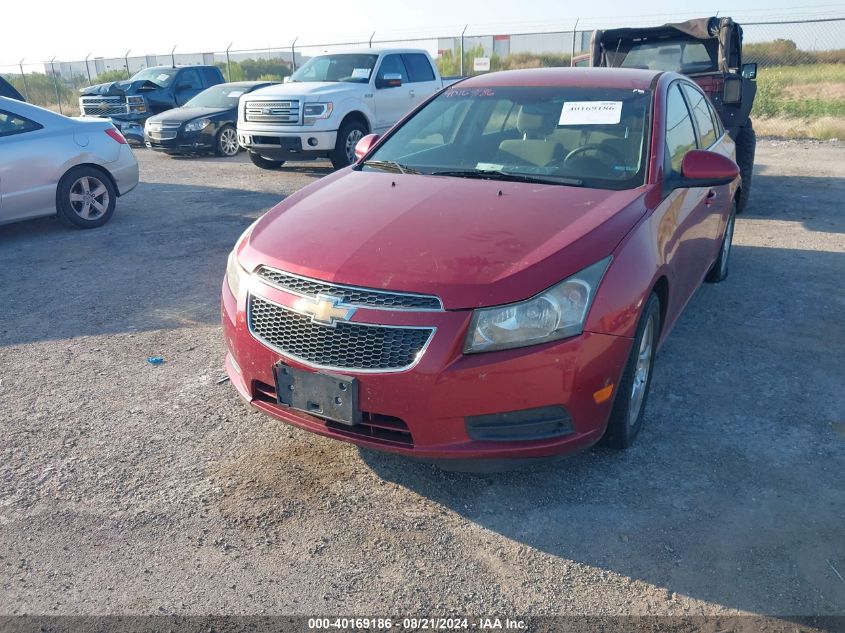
(494, 275)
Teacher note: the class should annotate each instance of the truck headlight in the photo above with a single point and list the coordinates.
(313, 111)
(235, 273)
(196, 126)
(556, 313)
(136, 104)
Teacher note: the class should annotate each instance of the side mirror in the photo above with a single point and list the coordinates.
(732, 92)
(703, 168)
(363, 147)
(389, 80)
(749, 71)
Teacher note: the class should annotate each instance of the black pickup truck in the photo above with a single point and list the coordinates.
(151, 91)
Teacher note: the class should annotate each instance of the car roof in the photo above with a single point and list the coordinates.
(369, 51)
(31, 111)
(247, 84)
(627, 78)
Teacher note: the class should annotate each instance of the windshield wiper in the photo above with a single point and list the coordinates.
(391, 165)
(495, 174)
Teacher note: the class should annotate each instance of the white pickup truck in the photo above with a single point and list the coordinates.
(333, 100)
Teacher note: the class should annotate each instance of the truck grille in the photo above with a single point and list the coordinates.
(353, 346)
(282, 111)
(349, 294)
(103, 106)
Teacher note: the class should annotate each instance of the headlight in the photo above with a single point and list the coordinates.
(235, 273)
(136, 104)
(556, 313)
(313, 111)
(196, 126)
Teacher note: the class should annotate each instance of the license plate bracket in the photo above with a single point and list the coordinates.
(324, 395)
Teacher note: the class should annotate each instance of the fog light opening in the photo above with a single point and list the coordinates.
(313, 142)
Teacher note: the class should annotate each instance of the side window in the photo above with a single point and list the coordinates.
(717, 122)
(11, 124)
(392, 65)
(703, 118)
(419, 68)
(191, 79)
(680, 134)
(210, 76)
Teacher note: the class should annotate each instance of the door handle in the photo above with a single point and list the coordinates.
(710, 198)
(411, 93)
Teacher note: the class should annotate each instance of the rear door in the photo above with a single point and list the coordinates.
(422, 80)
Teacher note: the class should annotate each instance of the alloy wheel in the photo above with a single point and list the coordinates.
(229, 142)
(641, 372)
(351, 141)
(89, 198)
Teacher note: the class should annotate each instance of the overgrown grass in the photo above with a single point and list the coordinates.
(801, 101)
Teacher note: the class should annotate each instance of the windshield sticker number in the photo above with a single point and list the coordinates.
(163, 77)
(474, 92)
(591, 113)
(489, 167)
(360, 73)
(236, 93)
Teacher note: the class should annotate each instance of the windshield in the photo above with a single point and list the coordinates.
(222, 96)
(354, 68)
(159, 76)
(677, 55)
(595, 137)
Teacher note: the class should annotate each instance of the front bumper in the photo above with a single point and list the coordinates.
(132, 129)
(423, 411)
(183, 143)
(290, 144)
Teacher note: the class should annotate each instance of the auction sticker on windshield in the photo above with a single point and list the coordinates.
(360, 73)
(163, 77)
(590, 112)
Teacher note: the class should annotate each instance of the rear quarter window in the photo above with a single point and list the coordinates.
(419, 68)
(11, 124)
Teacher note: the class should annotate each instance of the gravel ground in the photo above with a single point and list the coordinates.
(132, 489)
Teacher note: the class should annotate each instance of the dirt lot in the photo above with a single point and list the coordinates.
(132, 489)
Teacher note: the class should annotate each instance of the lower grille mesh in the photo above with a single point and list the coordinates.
(346, 346)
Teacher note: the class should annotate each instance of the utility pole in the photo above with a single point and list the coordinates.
(126, 63)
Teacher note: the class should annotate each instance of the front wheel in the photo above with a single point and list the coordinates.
(264, 163)
(227, 142)
(85, 197)
(626, 417)
(347, 138)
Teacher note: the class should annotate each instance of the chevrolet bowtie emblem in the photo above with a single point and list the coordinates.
(325, 309)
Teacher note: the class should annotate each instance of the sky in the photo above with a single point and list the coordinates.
(71, 30)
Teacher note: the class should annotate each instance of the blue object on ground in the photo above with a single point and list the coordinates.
(155, 360)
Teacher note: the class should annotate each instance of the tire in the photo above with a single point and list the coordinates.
(746, 147)
(344, 150)
(719, 271)
(626, 417)
(226, 142)
(264, 163)
(85, 197)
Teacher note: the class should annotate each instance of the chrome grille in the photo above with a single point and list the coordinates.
(282, 111)
(163, 130)
(354, 346)
(103, 106)
(349, 294)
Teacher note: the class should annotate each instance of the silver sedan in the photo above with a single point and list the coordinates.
(51, 164)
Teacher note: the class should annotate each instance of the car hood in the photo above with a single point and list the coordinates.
(181, 115)
(471, 242)
(120, 88)
(306, 88)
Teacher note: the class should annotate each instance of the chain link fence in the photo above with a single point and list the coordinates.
(801, 76)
